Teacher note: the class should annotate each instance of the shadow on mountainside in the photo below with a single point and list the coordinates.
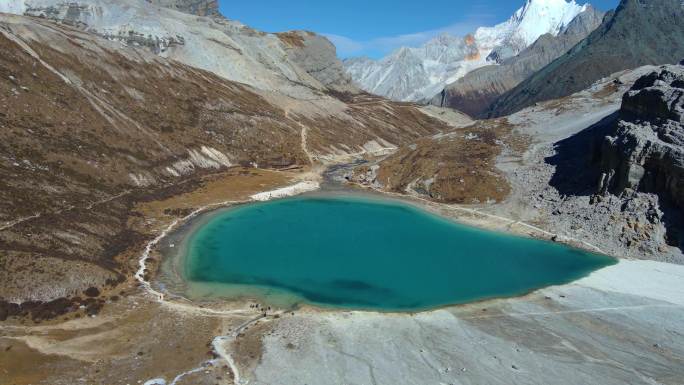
(673, 220)
(575, 159)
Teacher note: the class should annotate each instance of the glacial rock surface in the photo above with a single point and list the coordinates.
(637, 33)
(416, 74)
(474, 93)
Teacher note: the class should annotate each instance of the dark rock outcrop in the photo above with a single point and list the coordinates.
(646, 152)
(474, 93)
(637, 33)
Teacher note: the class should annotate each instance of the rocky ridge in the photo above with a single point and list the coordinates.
(225, 47)
(419, 73)
(637, 33)
(474, 93)
(317, 56)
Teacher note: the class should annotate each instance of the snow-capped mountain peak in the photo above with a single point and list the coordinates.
(412, 74)
(538, 17)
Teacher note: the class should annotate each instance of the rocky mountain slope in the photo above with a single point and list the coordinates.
(317, 56)
(92, 128)
(474, 93)
(639, 32)
(413, 74)
(228, 48)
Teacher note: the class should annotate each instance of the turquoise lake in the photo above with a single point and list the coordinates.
(360, 253)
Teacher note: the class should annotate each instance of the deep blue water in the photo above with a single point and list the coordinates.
(366, 254)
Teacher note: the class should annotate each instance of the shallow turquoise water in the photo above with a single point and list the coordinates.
(366, 254)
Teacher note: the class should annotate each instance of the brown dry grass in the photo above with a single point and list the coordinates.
(125, 344)
(235, 184)
(22, 365)
(249, 346)
(292, 39)
(462, 169)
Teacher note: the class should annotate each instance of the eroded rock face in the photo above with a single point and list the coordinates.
(646, 153)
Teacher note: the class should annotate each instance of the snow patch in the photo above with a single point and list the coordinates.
(375, 148)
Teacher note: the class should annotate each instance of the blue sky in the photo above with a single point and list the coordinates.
(376, 27)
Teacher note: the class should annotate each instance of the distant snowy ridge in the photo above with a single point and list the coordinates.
(414, 74)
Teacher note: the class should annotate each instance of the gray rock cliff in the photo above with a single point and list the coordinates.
(646, 151)
(317, 56)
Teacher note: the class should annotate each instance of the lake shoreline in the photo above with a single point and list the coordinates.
(170, 277)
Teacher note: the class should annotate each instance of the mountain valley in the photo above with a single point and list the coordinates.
(129, 123)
